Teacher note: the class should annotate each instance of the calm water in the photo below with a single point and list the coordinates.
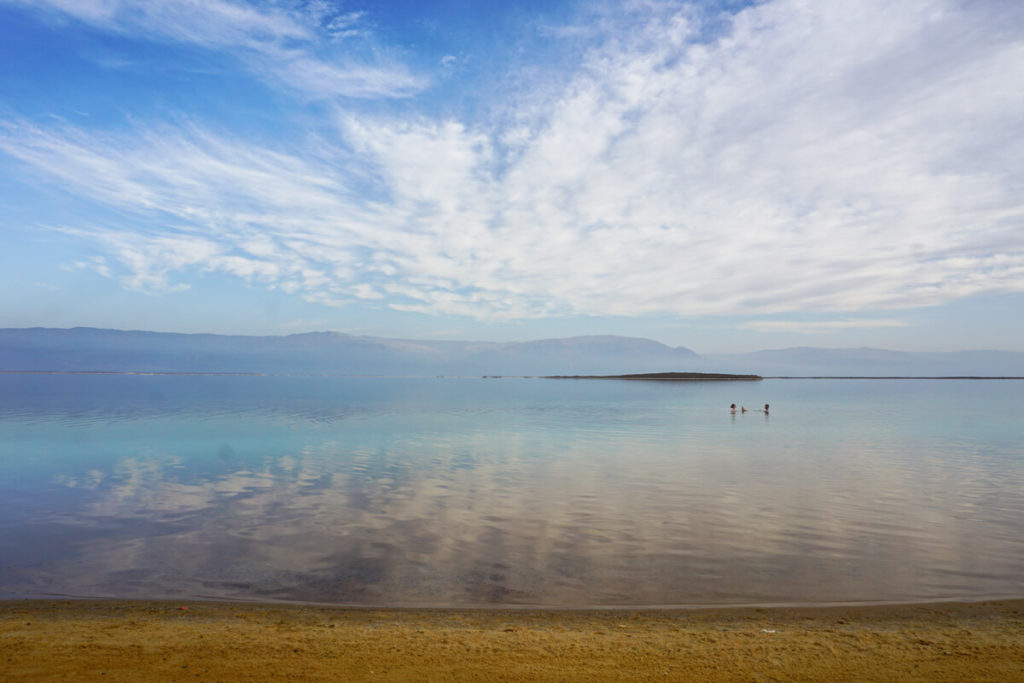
(534, 492)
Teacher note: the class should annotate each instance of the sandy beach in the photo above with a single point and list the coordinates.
(136, 640)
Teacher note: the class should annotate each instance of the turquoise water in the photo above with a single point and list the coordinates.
(514, 491)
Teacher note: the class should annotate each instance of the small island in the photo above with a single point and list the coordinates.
(670, 377)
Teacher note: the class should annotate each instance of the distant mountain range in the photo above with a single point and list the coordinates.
(89, 349)
(98, 350)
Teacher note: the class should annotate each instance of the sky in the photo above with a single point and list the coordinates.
(726, 176)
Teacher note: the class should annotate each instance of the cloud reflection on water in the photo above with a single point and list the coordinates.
(483, 516)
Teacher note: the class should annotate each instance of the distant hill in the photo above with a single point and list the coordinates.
(99, 350)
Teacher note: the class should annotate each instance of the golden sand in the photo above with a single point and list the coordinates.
(158, 641)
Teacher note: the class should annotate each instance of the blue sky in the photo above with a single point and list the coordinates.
(725, 176)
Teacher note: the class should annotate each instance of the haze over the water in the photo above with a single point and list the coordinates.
(728, 176)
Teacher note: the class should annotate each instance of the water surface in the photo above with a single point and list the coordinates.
(535, 492)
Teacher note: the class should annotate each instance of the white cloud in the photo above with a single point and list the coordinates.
(285, 47)
(821, 326)
(150, 260)
(327, 80)
(97, 264)
(811, 157)
(365, 291)
(210, 23)
(345, 25)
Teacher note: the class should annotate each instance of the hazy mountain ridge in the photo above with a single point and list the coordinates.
(94, 349)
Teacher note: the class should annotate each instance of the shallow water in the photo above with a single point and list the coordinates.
(514, 491)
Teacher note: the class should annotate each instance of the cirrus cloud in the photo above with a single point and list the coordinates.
(285, 46)
(822, 157)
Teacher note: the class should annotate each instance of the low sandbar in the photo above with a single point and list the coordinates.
(669, 377)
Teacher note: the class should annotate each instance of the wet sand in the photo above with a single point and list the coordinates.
(157, 641)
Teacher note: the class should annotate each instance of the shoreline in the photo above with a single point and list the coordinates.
(511, 607)
(112, 639)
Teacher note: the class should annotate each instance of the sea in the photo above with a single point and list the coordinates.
(484, 492)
